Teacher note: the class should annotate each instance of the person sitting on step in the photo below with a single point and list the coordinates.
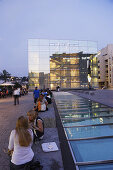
(36, 124)
(41, 104)
(20, 143)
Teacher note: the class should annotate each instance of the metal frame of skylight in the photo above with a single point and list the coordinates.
(61, 108)
(85, 118)
(77, 164)
(80, 109)
(93, 162)
(90, 138)
(77, 168)
(104, 124)
(62, 101)
(84, 112)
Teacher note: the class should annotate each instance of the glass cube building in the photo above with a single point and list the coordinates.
(63, 63)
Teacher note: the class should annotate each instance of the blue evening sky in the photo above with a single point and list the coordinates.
(50, 19)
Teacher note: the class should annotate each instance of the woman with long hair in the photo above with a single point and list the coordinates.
(36, 123)
(20, 142)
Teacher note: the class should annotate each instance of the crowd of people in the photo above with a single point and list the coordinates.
(8, 92)
(28, 129)
(41, 99)
(5, 92)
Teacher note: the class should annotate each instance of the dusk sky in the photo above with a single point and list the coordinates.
(50, 19)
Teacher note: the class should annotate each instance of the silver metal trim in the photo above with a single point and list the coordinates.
(85, 118)
(81, 107)
(104, 124)
(86, 108)
(94, 162)
(76, 113)
(90, 138)
(77, 168)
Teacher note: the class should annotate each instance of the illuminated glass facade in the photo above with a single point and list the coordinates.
(94, 71)
(59, 62)
(69, 70)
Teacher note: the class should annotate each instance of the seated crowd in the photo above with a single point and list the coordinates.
(41, 99)
(28, 129)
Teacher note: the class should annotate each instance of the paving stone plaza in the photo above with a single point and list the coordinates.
(8, 116)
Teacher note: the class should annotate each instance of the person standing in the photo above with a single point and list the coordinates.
(20, 142)
(36, 95)
(16, 96)
(58, 87)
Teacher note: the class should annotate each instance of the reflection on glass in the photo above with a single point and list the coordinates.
(61, 58)
(76, 111)
(90, 121)
(87, 132)
(84, 114)
(93, 150)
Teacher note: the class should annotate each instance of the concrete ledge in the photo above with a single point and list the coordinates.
(48, 117)
(49, 122)
(67, 158)
(49, 160)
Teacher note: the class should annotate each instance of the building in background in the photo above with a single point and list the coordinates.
(45, 56)
(71, 70)
(105, 67)
(93, 73)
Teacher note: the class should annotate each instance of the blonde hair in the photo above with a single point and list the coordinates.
(32, 113)
(22, 127)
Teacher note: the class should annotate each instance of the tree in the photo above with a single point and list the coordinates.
(4, 75)
(24, 79)
(17, 85)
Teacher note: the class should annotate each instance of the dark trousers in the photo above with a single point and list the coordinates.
(37, 135)
(48, 100)
(35, 100)
(16, 99)
(20, 167)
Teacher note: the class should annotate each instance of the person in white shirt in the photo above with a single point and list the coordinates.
(41, 104)
(20, 143)
(16, 95)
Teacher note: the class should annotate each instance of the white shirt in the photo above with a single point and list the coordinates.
(21, 154)
(16, 92)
